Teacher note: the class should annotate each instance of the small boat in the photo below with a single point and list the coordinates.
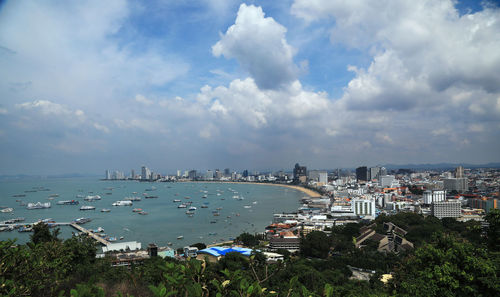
(134, 198)
(80, 196)
(181, 206)
(92, 198)
(68, 202)
(105, 210)
(204, 196)
(122, 203)
(216, 214)
(7, 209)
(189, 212)
(112, 238)
(153, 188)
(87, 207)
(169, 243)
(255, 202)
(192, 208)
(19, 195)
(180, 237)
(236, 196)
(81, 220)
(187, 197)
(213, 222)
(98, 230)
(150, 196)
(121, 237)
(247, 206)
(218, 194)
(142, 213)
(177, 200)
(204, 206)
(137, 209)
(54, 195)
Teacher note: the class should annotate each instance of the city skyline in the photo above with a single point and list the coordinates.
(253, 84)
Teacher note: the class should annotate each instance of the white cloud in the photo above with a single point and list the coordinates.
(141, 99)
(101, 128)
(3, 111)
(260, 46)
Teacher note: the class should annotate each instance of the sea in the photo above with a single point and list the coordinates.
(241, 207)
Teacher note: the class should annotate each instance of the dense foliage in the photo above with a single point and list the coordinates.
(450, 259)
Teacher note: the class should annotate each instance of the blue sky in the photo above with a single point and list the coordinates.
(91, 85)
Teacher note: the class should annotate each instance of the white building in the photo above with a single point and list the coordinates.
(434, 196)
(446, 209)
(363, 207)
(145, 173)
(386, 181)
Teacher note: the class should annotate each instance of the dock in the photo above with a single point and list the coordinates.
(90, 233)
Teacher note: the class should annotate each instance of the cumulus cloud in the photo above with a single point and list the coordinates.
(258, 43)
(141, 99)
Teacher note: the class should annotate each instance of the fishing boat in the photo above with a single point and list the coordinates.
(38, 205)
(87, 207)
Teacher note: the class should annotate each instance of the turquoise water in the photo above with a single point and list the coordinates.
(164, 222)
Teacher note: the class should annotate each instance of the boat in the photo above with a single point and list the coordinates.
(151, 196)
(80, 196)
(192, 208)
(105, 210)
(255, 202)
(177, 200)
(92, 198)
(38, 205)
(98, 230)
(153, 188)
(169, 243)
(19, 195)
(218, 194)
(204, 196)
(187, 197)
(236, 196)
(216, 214)
(82, 220)
(133, 198)
(180, 237)
(122, 203)
(247, 206)
(26, 228)
(137, 209)
(142, 213)
(204, 206)
(112, 238)
(54, 195)
(121, 237)
(87, 207)
(8, 209)
(213, 222)
(181, 206)
(68, 202)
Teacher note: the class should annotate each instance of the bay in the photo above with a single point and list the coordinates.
(164, 221)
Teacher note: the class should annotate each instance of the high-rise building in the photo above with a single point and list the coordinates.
(108, 175)
(227, 172)
(299, 173)
(192, 175)
(386, 180)
(178, 173)
(132, 174)
(145, 173)
(459, 172)
(362, 173)
(456, 184)
(363, 207)
(434, 196)
(209, 175)
(245, 173)
(374, 173)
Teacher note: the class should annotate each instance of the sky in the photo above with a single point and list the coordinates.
(87, 86)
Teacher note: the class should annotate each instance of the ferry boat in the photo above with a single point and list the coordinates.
(38, 205)
(87, 207)
(68, 202)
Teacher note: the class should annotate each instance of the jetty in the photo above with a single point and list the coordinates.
(90, 233)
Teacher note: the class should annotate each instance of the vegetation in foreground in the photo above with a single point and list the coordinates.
(450, 259)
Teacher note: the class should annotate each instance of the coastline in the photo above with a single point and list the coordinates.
(306, 191)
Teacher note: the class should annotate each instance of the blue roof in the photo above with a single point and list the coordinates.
(222, 251)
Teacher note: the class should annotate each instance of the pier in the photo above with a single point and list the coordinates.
(90, 233)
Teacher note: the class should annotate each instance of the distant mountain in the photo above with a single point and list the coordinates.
(34, 176)
(440, 166)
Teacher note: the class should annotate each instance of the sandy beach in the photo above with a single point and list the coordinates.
(306, 191)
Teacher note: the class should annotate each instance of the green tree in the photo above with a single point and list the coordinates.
(493, 232)
(248, 239)
(447, 267)
(41, 233)
(315, 244)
